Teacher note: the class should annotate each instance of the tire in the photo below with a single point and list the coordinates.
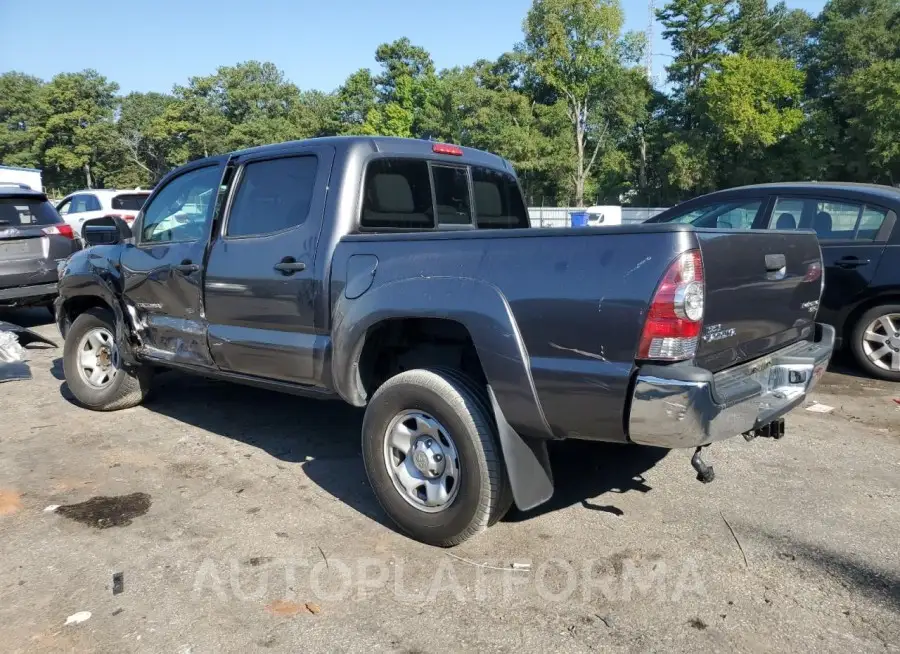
(126, 388)
(880, 317)
(459, 407)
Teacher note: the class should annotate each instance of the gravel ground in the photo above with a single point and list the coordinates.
(241, 520)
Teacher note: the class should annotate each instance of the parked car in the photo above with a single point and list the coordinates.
(33, 240)
(402, 275)
(78, 207)
(856, 226)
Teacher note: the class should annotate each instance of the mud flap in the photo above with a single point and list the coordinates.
(527, 463)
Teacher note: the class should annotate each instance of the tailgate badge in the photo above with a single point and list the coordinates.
(712, 333)
(811, 306)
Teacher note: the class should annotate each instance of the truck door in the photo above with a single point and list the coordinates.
(162, 271)
(260, 284)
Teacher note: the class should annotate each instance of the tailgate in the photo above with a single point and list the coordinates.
(762, 293)
(24, 260)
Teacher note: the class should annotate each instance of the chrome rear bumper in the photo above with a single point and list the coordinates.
(687, 407)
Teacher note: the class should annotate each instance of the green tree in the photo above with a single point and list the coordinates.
(77, 129)
(871, 97)
(356, 100)
(144, 138)
(754, 101)
(698, 31)
(20, 115)
(404, 89)
(576, 48)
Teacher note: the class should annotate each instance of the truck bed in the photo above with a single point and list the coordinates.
(579, 298)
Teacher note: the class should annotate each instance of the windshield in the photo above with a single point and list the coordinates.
(23, 212)
(130, 202)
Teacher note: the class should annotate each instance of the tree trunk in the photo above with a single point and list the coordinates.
(87, 175)
(579, 164)
(642, 171)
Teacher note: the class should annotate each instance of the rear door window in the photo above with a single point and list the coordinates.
(498, 200)
(397, 195)
(79, 204)
(129, 202)
(272, 195)
(831, 219)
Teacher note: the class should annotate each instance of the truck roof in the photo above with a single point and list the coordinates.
(370, 144)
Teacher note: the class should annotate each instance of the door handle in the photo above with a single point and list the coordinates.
(187, 267)
(289, 265)
(851, 262)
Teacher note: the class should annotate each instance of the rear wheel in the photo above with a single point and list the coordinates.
(93, 368)
(876, 342)
(432, 456)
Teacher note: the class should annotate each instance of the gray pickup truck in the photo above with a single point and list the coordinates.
(403, 276)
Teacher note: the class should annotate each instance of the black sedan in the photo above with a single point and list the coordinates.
(33, 240)
(856, 225)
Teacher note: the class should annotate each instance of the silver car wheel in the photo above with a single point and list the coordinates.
(98, 358)
(881, 342)
(422, 461)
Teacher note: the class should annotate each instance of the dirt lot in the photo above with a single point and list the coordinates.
(244, 522)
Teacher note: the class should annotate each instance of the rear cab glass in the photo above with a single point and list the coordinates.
(25, 212)
(129, 201)
(413, 194)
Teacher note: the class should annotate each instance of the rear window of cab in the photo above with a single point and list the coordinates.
(413, 194)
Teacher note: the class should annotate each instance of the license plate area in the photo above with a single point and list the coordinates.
(20, 249)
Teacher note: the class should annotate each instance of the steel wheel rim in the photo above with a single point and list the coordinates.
(881, 342)
(422, 461)
(98, 358)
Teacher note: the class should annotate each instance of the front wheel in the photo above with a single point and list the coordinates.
(93, 367)
(876, 342)
(432, 456)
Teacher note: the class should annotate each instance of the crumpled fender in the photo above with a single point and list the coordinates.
(95, 273)
(479, 306)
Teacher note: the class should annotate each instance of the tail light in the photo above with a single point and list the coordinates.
(59, 230)
(672, 328)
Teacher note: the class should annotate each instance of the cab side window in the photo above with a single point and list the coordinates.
(182, 208)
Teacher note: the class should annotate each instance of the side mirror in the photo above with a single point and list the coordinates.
(108, 230)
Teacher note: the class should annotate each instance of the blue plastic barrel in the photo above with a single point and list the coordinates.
(579, 218)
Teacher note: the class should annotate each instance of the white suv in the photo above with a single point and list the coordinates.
(97, 203)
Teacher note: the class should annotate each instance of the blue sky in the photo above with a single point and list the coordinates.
(149, 46)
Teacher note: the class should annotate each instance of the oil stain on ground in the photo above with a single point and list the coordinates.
(106, 512)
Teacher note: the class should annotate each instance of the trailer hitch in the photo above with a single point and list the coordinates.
(705, 473)
(774, 429)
